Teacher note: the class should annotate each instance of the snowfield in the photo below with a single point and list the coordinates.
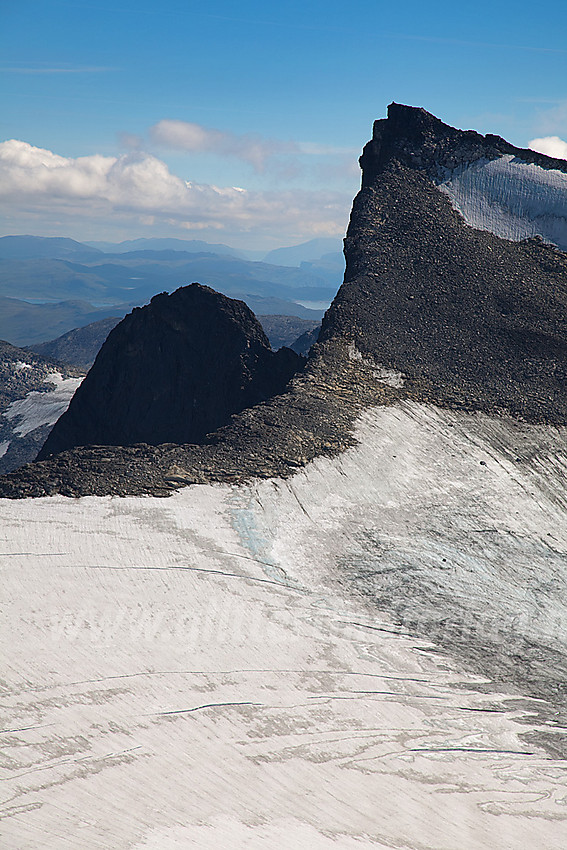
(510, 198)
(42, 408)
(238, 667)
(26, 421)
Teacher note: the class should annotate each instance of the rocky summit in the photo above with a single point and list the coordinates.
(455, 294)
(172, 372)
(471, 319)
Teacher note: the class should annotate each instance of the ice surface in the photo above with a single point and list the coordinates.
(45, 408)
(203, 671)
(510, 198)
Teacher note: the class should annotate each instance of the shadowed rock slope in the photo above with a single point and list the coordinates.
(432, 309)
(172, 372)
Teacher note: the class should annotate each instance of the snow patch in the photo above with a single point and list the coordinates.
(4, 447)
(38, 409)
(383, 375)
(511, 198)
(19, 365)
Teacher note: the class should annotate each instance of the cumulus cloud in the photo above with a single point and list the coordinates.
(195, 138)
(551, 146)
(140, 187)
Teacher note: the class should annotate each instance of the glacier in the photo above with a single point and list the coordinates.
(37, 409)
(221, 668)
(508, 197)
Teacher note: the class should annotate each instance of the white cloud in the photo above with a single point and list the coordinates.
(195, 138)
(551, 146)
(138, 188)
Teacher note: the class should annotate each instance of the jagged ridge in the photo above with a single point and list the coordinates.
(431, 309)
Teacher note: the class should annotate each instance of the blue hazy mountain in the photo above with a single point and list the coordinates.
(309, 251)
(193, 246)
(31, 247)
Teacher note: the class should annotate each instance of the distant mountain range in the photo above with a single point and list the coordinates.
(192, 246)
(30, 247)
(307, 252)
(33, 247)
(22, 323)
(55, 284)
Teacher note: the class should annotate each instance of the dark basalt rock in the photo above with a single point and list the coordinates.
(172, 372)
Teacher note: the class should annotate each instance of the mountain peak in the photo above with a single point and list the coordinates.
(418, 139)
(173, 371)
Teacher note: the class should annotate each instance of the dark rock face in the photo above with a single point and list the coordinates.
(471, 320)
(172, 372)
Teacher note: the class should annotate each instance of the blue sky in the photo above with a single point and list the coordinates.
(241, 122)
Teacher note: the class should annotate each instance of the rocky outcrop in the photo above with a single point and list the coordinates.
(432, 309)
(419, 141)
(172, 372)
